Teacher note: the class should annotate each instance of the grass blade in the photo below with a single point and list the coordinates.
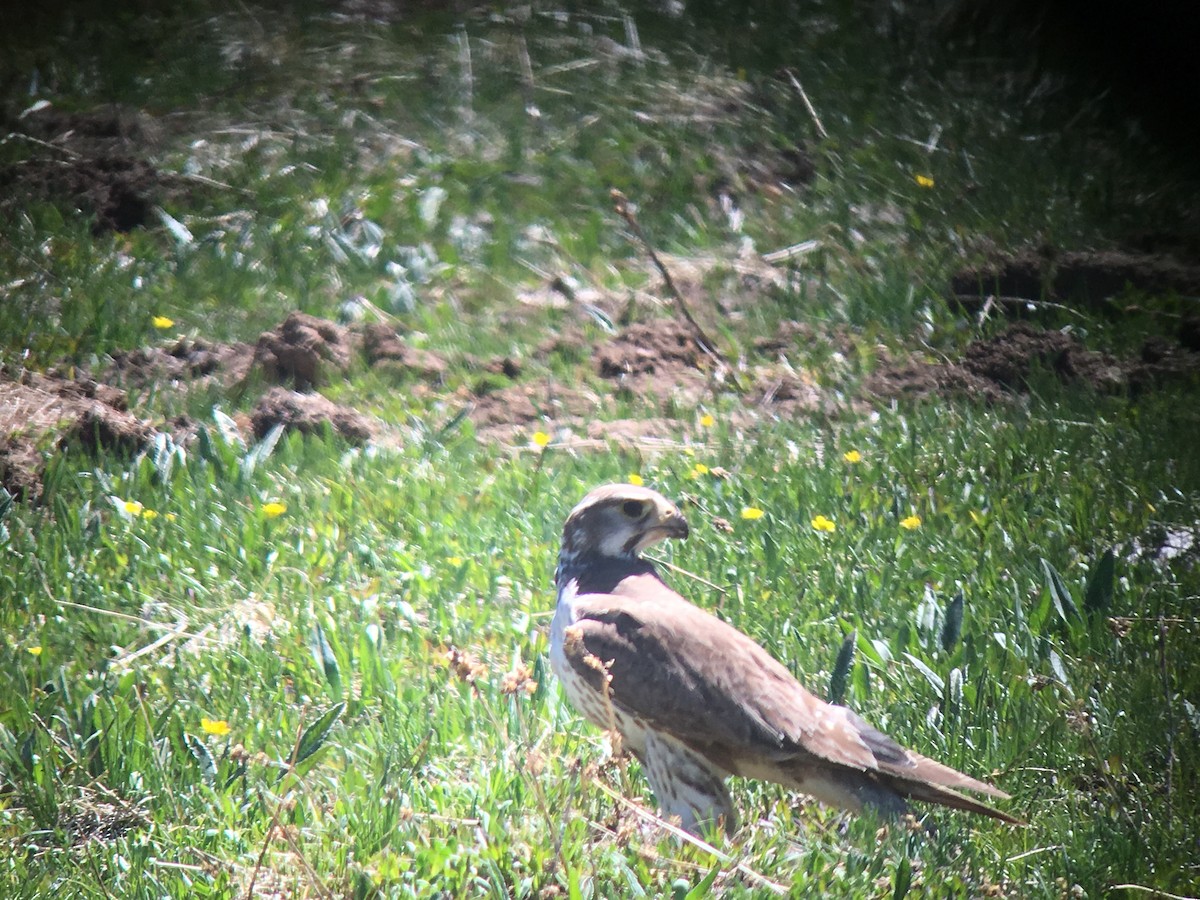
(931, 676)
(323, 653)
(841, 668)
(1066, 607)
(203, 757)
(1060, 672)
(316, 733)
(903, 879)
(1098, 595)
(704, 888)
(952, 625)
(262, 450)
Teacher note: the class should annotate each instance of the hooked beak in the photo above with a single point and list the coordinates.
(672, 526)
(676, 526)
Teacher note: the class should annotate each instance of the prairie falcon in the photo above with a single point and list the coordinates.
(695, 699)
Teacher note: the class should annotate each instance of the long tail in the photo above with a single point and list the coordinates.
(944, 796)
(930, 781)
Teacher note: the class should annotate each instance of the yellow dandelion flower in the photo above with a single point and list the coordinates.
(699, 469)
(823, 523)
(636, 480)
(36, 651)
(163, 322)
(455, 561)
(149, 514)
(219, 727)
(852, 456)
(911, 523)
(707, 421)
(133, 507)
(540, 439)
(924, 181)
(274, 509)
(752, 512)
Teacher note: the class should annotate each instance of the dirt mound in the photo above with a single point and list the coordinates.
(94, 162)
(1085, 277)
(916, 378)
(1163, 362)
(520, 406)
(658, 363)
(512, 414)
(188, 362)
(386, 351)
(999, 367)
(787, 394)
(308, 414)
(661, 348)
(39, 413)
(787, 336)
(42, 412)
(303, 350)
(1011, 357)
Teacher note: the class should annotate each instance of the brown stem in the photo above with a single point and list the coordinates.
(707, 344)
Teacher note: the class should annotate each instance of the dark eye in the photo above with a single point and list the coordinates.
(633, 508)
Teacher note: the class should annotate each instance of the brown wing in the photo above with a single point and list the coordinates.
(686, 672)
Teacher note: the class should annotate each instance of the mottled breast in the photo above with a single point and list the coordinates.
(585, 698)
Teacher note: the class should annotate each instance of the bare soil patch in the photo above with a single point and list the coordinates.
(1002, 366)
(308, 414)
(663, 347)
(1086, 278)
(187, 363)
(41, 413)
(95, 162)
(657, 365)
(304, 351)
(789, 395)
(386, 351)
(659, 362)
(510, 413)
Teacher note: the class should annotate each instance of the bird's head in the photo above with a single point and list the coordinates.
(621, 520)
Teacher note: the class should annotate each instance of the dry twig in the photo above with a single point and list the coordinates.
(754, 877)
(807, 104)
(707, 344)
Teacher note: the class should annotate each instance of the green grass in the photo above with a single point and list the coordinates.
(429, 780)
(357, 643)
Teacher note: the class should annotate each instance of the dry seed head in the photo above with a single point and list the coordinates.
(535, 762)
(519, 679)
(466, 666)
